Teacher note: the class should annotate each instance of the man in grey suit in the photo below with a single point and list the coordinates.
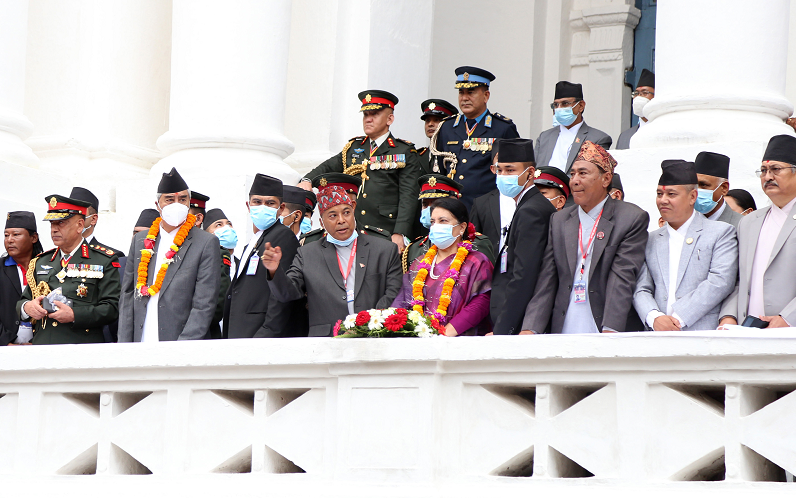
(768, 245)
(180, 304)
(645, 90)
(712, 181)
(342, 274)
(595, 249)
(690, 263)
(558, 147)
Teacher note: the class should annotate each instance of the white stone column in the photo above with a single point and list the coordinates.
(720, 73)
(228, 88)
(14, 125)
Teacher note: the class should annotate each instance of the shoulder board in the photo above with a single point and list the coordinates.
(408, 142)
(422, 240)
(312, 232)
(47, 252)
(358, 138)
(373, 229)
(501, 117)
(103, 250)
(422, 151)
(451, 117)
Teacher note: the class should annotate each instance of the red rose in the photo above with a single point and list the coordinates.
(362, 318)
(395, 322)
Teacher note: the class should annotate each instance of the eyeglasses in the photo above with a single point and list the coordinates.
(565, 104)
(775, 171)
(643, 93)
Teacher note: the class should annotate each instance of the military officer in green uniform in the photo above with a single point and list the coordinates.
(350, 184)
(87, 275)
(432, 187)
(388, 168)
(433, 112)
(217, 223)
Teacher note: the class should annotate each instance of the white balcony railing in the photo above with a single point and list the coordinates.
(460, 418)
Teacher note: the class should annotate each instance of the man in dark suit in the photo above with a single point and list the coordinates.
(485, 216)
(177, 304)
(595, 250)
(645, 90)
(342, 274)
(517, 266)
(250, 310)
(21, 241)
(558, 146)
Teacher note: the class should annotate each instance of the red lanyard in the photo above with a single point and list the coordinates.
(349, 264)
(372, 150)
(470, 130)
(24, 275)
(65, 261)
(585, 253)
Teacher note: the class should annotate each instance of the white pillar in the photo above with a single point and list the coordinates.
(228, 90)
(720, 73)
(14, 126)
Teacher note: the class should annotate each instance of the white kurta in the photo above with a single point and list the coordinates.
(566, 138)
(150, 329)
(770, 230)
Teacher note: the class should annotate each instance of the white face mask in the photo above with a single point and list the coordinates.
(638, 105)
(174, 214)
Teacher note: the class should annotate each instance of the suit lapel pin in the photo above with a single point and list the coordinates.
(601, 235)
(361, 264)
(689, 241)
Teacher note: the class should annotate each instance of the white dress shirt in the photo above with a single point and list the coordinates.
(677, 240)
(343, 254)
(773, 222)
(507, 208)
(244, 260)
(716, 215)
(150, 329)
(566, 138)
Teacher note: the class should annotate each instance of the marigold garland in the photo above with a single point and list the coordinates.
(450, 280)
(147, 254)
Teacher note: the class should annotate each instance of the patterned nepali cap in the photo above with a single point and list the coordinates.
(331, 196)
(594, 153)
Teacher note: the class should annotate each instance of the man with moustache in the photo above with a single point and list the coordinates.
(595, 250)
(713, 186)
(768, 245)
(21, 241)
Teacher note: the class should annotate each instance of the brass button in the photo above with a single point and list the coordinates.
(84, 282)
(55, 323)
(363, 212)
(366, 227)
(87, 330)
(390, 216)
(461, 177)
(364, 195)
(464, 160)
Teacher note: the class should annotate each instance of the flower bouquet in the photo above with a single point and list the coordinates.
(392, 322)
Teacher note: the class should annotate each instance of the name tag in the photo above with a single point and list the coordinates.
(580, 292)
(504, 261)
(451, 142)
(42, 272)
(252, 266)
(351, 296)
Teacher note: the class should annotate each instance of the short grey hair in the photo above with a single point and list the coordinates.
(158, 195)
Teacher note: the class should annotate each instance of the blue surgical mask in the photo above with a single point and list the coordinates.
(282, 218)
(555, 122)
(508, 185)
(565, 116)
(227, 237)
(341, 243)
(263, 216)
(441, 235)
(705, 200)
(425, 217)
(305, 225)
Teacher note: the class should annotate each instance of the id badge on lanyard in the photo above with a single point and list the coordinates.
(579, 287)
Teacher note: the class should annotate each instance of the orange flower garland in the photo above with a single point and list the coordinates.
(147, 254)
(450, 280)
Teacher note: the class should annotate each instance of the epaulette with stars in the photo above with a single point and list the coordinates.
(501, 117)
(103, 250)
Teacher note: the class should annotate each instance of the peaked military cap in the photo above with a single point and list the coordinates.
(264, 185)
(293, 194)
(567, 89)
(212, 216)
(677, 173)
(781, 148)
(349, 183)
(715, 164)
(172, 182)
(514, 150)
(438, 108)
(79, 193)
(376, 99)
(61, 207)
(616, 182)
(198, 200)
(438, 186)
(21, 219)
(147, 217)
(468, 77)
(647, 79)
(552, 177)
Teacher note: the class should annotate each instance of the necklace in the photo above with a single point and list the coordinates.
(451, 275)
(147, 254)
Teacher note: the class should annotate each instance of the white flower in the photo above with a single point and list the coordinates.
(415, 317)
(375, 324)
(350, 321)
(374, 313)
(422, 330)
(387, 312)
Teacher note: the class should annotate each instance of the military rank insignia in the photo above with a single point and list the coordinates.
(482, 144)
(386, 162)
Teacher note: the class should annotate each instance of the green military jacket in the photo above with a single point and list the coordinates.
(319, 233)
(388, 195)
(224, 283)
(425, 160)
(90, 280)
(421, 245)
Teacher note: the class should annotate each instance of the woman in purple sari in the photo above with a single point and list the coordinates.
(468, 310)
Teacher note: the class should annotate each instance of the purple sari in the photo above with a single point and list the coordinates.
(469, 307)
